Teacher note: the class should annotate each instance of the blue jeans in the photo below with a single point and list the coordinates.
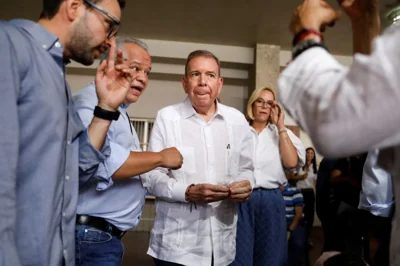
(97, 248)
(261, 230)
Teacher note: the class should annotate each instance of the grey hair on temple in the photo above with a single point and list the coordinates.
(120, 41)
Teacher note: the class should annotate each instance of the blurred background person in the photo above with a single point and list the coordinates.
(326, 204)
(377, 201)
(296, 234)
(306, 178)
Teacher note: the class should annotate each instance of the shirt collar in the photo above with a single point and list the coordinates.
(269, 127)
(188, 110)
(124, 107)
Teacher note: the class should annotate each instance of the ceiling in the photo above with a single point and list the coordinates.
(227, 22)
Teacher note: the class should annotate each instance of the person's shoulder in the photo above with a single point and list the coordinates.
(12, 33)
(170, 111)
(86, 95)
(15, 44)
(9, 34)
(233, 114)
(6, 26)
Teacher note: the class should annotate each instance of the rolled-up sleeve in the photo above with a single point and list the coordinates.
(94, 164)
(107, 168)
(333, 103)
(377, 194)
(157, 181)
(9, 146)
(90, 159)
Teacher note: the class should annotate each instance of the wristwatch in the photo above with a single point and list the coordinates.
(105, 114)
(305, 45)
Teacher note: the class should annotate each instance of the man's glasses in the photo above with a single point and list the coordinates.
(113, 22)
(261, 103)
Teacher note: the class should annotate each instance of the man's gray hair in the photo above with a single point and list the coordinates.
(120, 41)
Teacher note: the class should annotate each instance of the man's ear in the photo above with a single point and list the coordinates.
(220, 83)
(184, 84)
(73, 8)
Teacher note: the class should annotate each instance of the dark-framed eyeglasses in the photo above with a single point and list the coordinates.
(114, 23)
(261, 103)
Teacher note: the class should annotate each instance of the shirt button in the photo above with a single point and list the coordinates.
(64, 214)
(69, 142)
(58, 45)
(65, 252)
(44, 46)
(67, 177)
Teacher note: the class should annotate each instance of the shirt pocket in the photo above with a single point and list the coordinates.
(94, 236)
(232, 163)
(191, 229)
(189, 160)
(176, 226)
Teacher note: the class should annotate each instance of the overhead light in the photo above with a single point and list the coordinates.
(394, 15)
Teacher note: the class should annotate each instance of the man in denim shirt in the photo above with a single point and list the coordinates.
(44, 144)
(111, 202)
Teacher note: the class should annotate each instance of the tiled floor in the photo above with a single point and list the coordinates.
(136, 244)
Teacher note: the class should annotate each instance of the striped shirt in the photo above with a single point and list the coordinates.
(293, 198)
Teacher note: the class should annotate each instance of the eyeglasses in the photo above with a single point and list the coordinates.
(114, 23)
(261, 103)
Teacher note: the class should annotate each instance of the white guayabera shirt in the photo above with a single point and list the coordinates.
(215, 152)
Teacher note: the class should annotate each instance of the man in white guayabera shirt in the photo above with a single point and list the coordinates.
(195, 221)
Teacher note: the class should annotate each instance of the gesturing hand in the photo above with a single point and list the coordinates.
(113, 78)
(358, 9)
(314, 14)
(277, 115)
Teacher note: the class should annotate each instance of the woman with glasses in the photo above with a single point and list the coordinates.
(261, 231)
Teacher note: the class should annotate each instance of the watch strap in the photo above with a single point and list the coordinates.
(105, 114)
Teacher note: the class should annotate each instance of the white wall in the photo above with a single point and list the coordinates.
(76, 82)
(161, 93)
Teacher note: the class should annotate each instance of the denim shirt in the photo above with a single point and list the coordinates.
(120, 202)
(43, 147)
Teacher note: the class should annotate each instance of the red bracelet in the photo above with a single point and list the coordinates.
(304, 33)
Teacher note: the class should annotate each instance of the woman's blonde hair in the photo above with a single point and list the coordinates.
(254, 96)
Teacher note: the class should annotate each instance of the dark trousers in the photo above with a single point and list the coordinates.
(309, 209)
(296, 245)
(378, 237)
(332, 235)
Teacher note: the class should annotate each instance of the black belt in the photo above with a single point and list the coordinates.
(100, 224)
